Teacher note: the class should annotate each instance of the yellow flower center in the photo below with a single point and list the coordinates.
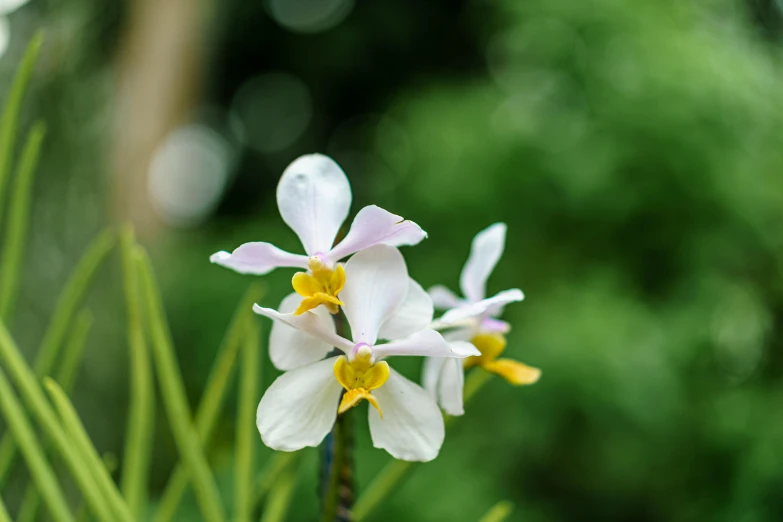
(359, 377)
(491, 345)
(319, 287)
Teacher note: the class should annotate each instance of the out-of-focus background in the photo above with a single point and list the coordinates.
(635, 150)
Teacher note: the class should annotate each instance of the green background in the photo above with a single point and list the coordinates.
(635, 150)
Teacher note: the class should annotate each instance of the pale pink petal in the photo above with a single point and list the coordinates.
(485, 251)
(373, 226)
(425, 343)
(314, 198)
(376, 282)
(475, 310)
(414, 314)
(258, 259)
(310, 323)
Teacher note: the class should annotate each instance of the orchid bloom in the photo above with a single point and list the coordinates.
(380, 302)
(314, 198)
(474, 318)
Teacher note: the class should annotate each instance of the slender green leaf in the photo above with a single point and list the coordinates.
(13, 106)
(89, 455)
(499, 512)
(268, 475)
(174, 398)
(141, 414)
(212, 399)
(70, 299)
(280, 496)
(37, 404)
(31, 450)
(19, 221)
(66, 373)
(246, 425)
(389, 478)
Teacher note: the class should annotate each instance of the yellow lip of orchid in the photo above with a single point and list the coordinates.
(359, 377)
(491, 345)
(320, 286)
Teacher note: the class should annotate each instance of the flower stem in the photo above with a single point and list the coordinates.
(337, 491)
(392, 474)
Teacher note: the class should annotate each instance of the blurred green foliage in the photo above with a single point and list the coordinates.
(633, 148)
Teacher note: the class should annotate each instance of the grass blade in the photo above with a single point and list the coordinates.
(141, 413)
(13, 105)
(246, 426)
(89, 455)
(499, 512)
(70, 299)
(212, 399)
(72, 359)
(19, 221)
(174, 399)
(280, 496)
(38, 405)
(31, 450)
(267, 477)
(389, 478)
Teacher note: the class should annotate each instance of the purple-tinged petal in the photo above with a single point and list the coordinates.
(427, 343)
(310, 323)
(376, 226)
(258, 258)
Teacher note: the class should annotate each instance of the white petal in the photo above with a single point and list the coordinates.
(443, 298)
(485, 251)
(414, 314)
(300, 407)
(428, 343)
(257, 258)
(314, 198)
(310, 323)
(373, 226)
(450, 386)
(476, 310)
(376, 282)
(430, 374)
(412, 425)
(291, 348)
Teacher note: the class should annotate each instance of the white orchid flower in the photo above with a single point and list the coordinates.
(380, 301)
(314, 198)
(474, 318)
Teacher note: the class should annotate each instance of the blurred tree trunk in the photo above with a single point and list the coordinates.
(159, 71)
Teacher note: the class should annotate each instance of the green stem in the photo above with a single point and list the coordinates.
(211, 400)
(71, 361)
(37, 404)
(174, 397)
(69, 301)
(4, 516)
(41, 472)
(13, 106)
(141, 414)
(280, 497)
(245, 424)
(267, 477)
(87, 452)
(395, 471)
(19, 221)
(499, 512)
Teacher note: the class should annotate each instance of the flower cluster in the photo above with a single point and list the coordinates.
(328, 370)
